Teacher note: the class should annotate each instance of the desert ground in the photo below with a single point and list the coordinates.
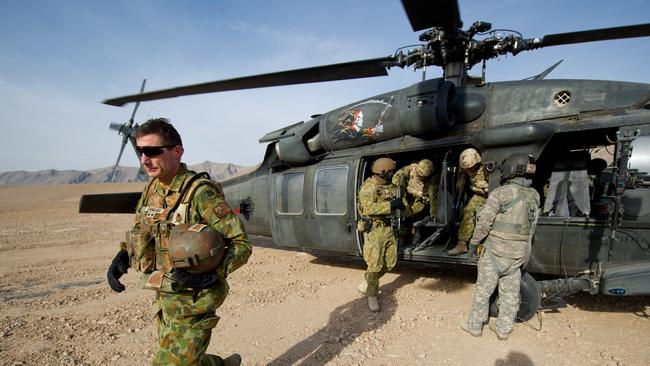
(284, 308)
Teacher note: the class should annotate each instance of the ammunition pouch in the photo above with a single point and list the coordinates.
(364, 225)
(361, 226)
(140, 245)
(161, 233)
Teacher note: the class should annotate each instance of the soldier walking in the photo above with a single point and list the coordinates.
(377, 199)
(506, 222)
(421, 191)
(187, 297)
(470, 163)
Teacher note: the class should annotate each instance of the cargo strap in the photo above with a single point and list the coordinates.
(507, 227)
(186, 194)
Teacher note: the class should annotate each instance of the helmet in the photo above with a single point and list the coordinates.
(383, 165)
(425, 168)
(469, 158)
(197, 248)
(517, 165)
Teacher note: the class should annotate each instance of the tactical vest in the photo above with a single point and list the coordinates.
(384, 192)
(517, 217)
(148, 241)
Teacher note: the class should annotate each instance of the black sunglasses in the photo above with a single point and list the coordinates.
(152, 151)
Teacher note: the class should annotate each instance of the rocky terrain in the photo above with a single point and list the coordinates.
(218, 171)
(284, 308)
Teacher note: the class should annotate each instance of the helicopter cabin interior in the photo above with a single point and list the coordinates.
(575, 177)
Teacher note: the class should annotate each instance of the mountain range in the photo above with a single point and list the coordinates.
(218, 171)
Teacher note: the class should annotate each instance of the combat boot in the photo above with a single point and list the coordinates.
(473, 332)
(232, 360)
(502, 336)
(363, 288)
(373, 304)
(460, 248)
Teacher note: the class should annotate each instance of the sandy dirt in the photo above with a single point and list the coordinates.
(285, 307)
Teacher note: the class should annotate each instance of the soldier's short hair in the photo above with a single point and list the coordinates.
(161, 127)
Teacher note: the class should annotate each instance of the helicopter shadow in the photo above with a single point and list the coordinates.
(433, 276)
(346, 323)
(448, 279)
(638, 305)
(438, 277)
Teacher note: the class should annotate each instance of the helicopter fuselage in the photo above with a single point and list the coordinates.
(304, 193)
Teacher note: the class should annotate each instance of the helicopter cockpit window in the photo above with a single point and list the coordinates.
(330, 190)
(289, 192)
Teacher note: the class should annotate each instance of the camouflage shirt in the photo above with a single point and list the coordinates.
(478, 181)
(506, 220)
(425, 193)
(208, 206)
(374, 197)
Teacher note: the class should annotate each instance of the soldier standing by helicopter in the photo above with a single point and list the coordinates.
(506, 222)
(188, 291)
(421, 190)
(377, 199)
(470, 163)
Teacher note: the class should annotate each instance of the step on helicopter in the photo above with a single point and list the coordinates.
(590, 139)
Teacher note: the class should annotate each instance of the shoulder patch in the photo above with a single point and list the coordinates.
(222, 210)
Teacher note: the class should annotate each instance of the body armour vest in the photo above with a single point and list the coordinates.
(148, 241)
(511, 231)
(374, 198)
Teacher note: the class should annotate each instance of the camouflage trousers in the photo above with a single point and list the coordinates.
(184, 323)
(492, 271)
(380, 254)
(468, 221)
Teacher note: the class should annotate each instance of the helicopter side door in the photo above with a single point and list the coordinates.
(313, 207)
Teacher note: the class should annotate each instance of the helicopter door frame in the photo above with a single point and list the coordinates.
(287, 206)
(311, 206)
(332, 211)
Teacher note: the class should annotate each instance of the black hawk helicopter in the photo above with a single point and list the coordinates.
(591, 141)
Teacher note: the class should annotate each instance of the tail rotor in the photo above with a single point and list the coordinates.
(127, 131)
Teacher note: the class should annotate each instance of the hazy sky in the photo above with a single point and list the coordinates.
(60, 59)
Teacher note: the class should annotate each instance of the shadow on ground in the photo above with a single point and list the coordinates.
(346, 323)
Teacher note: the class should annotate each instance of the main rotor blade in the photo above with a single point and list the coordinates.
(603, 34)
(428, 14)
(342, 71)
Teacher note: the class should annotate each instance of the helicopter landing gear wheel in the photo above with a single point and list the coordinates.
(530, 298)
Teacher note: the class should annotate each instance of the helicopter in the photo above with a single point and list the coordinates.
(593, 234)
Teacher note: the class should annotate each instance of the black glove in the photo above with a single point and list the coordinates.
(197, 281)
(118, 267)
(396, 203)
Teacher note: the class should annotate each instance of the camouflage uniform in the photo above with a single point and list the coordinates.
(185, 317)
(380, 246)
(479, 187)
(420, 193)
(505, 222)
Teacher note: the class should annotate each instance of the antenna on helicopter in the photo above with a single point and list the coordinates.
(127, 130)
(544, 73)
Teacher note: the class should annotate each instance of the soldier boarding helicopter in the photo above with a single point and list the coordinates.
(594, 230)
